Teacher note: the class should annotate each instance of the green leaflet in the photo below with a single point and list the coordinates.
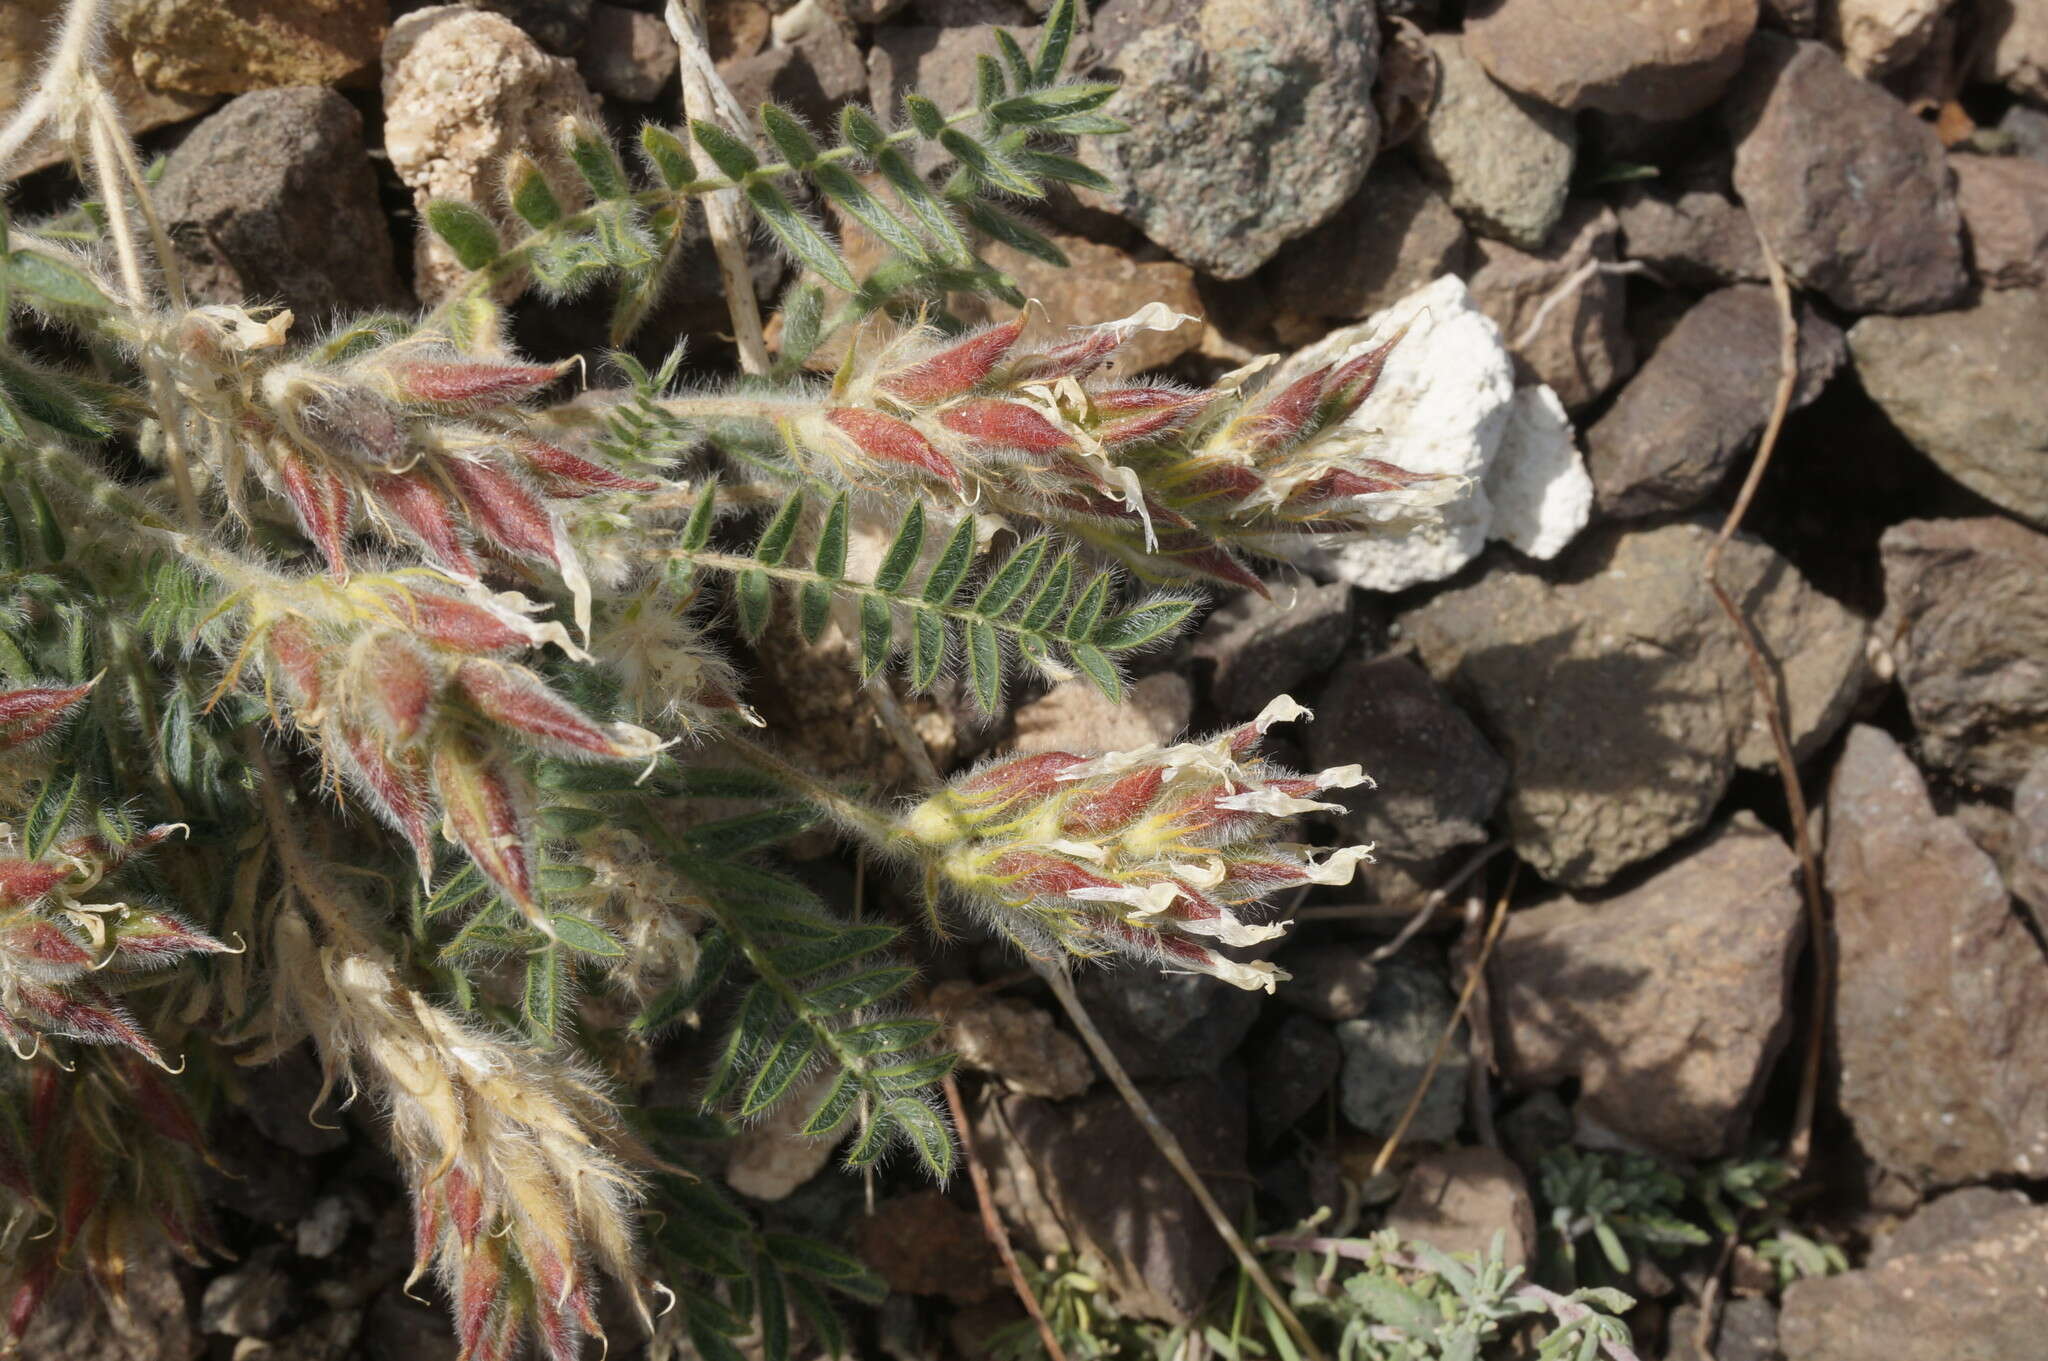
(467, 232)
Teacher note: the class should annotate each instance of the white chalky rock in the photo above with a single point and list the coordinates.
(1446, 403)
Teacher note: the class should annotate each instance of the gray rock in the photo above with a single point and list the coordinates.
(2028, 129)
(1084, 1177)
(1969, 388)
(1941, 1004)
(1387, 1050)
(1333, 980)
(323, 1229)
(557, 25)
(1666, 1002)
(1013, 1039)
(1457, 1199)
(1395, 235)
(1163, 1025)
(1984, 1300)
(628, 55)
(1651, 61)
(1438, 779)
(1690, 230)
(284, 1101)
(1581, 345)
(1620, 693)
(2026, 862)
(250, 1301)
(1966, 617)
(1700, 401)
(2004, 202)
(1264, 647)
(1946, 1221)
(1851, 190)
(1746, 1330)
(1252, 122)
(74, 1324)
(272, 199)
(1290, 1072)
(1505, 162)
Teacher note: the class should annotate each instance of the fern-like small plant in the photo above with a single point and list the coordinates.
(362, 689)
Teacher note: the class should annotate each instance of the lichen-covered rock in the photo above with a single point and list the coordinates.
(1969, 388)
(1966, 619)
(1504, 162)
(1446, 403)
(1437, 778)
(1851, 190)
(463, 90)
(1668, 1003)
(1620, 693)
(203, 47)
(1664, 60)
(1580, 347)
(2004, 201)
(1395, 235)
(1985, 1299)
(1941, 1004)
(1252, 121)
(1701, 400)
(272, 198)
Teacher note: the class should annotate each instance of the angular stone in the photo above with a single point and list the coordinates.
(1880, 36)
(1666, 60)
(1387, 1049)
(1969, 388)
(1941, 1001)
(1505, 162)
(1264, 105)
(1746, 1330)
(1690, 230)
(924, 1244)
(249, 1301)
(1851, 190)
(1457, 1199)
(1394, 236)
(2028, 129)
(1014, 1040)
(770, 1158)
(463, 90)
(273, 198)
(1438, 779)
(1262, 647)
(2014, 46)
(1620, 693)
(1074, 716)
(2004, 201)
(1947, 1221)
(1986, 1299)
(202, 47)
(1290, 1072)
(1333, 980)
(1161, 1025)
(1580, 347)
(813, 74)
(2026, 859)
(1966, 618)
(1666, 1002)
(1700, 401)
(1084, 1177)
(628, 55)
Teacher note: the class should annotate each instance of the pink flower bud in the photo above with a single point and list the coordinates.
(398, 789)
(955, 369)
(504, 511)
(1352, 383)
(1281, 419)
(150, 937)
(486, 811)
(26, 882)
(320, 500)
(562, 473)
(458, 624)
(40, 947)
(888, 440)
(26, 715)
(392, 685)
(472, 382)
(1076, 358)
(516, 698)
(423, 510)
(1005, 425)
(297, 662)
(1129, 415)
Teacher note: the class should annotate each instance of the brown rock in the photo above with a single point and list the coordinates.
(1880, 36)
(27, 28)
(1624, 56)
(1074, 716)
(1457, 1199)
(1100, 283)
(1941, 1006)
(1701, 400)
(2026, 857)
(273, 198)
(1619, 692)
(1505, 162)
(1985, 1300)
(1290, 1072)
(1946, 1221)
(736, 28)
(1966, 617)
(1014, 1040)
(1265, 646)
(2014, 46)
(1581, 346)
(924, 1244)
(1688, 229)
(938, 63)
(1395, 235)
(1407, 83)
(769, 1158)
(74, 1324)
(2004, 201)
(1667, 1002)
(627, 55)
(1850, 189)
(203, 47)
(1084, 1177)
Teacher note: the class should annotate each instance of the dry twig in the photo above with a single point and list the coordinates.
(992, 1224)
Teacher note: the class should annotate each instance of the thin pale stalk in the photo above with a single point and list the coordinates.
(992, 1224)
(722, 212)
(62, 76)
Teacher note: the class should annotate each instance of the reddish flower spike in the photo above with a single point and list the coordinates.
(1284, 416)
(567, 474)
(320, 500)
(23, 882)
(399, 687)
(485, 813)
(1128, 415)
(299, 663)
(422, 509)
(955, 369)
(1350, 385)
(1020, 776)
(1095, 812)
(1005, 425)
(888, 440)
(398, 789)
(518, 699)
(461, 625)
(504, 511)
(26, 715)
(473, 383)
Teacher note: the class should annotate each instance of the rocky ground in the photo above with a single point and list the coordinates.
(1576, 198)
